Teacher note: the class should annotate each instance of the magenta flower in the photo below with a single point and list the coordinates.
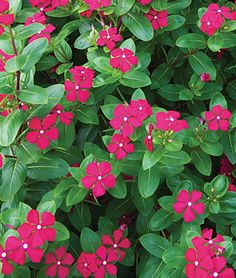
(19, 247)
(218, 270)
(205, 77)
(38, 230)
(124, 120)
(210, 24)
(65, 117)
(5, 19)
(7, 267)
(99, 178)
(117, 243)
(206, 241)
(87, 264)
(106, 259)
(158, 19)
(214, 9)
(97, 4)
(43, 131)
(1, 161)
(148, 141)
(120, 146)
(144, 2)
(140, 108)
(39, 18)
(59, 3)
(198, 263)
(109, 38)
(218, 118)
(189, 204)
(59, 263)
(123, 59)
(45, 33)
(42, 5)
(4, 57)
(169, 121)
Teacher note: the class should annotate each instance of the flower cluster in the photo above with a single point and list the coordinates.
(214, 17)
(189, 204)
(31, 236)
(5, 18)
(205, 259)
(82, 81)
(158, 19)
(99, 178)
(105, 257)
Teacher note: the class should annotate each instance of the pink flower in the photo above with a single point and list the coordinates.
(59, 263)
(120, 146)
(218, 118)
(117, 243)
(105, 261)
(39, 18)
(205, 77)
(148, 141)
(123, 59)
(210, 24)
(87, 13)
(109, 38)
(99, 178)
(208, 243)
(169, 121)
(42, 5)
(158, 19)
(19, 247)
(38, 230)
(7, 268)
(1, 161)
(97, 4)
(82, 80)
(59, 3)
(189, 204)
(198, 263)
(87, 264)
(65, 117)
(140, 108)
(218, 270)
(215, 9)
(144, 2)
(4, 57)
(124, 120)
(5, 19)
(43, 131)
(45, 33)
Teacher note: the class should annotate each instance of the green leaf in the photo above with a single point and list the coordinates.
(83, 41)
(144, 205)
(10, 126)
(89, 241)
(215, 42)
(15, 64)
(193, 40)
(62, 233)
(174, 22)
(218, 99)
(175, 158)
(161, 220)
(178, 5)
(29, 31)
(63, 52)
(229, 40)
(161, 76)
(148, 181)
(155, 244)
(202, 162)
(201, 63)
(88, 116)
(215, 149)
(13, 177)
(76, 195)
(34, 95)
(151, 158)
(28, 153)
(175, 256)
(135, 79)
(123, 6)
(102, 64)
(139, 25)
(48, 168)
(228, 142)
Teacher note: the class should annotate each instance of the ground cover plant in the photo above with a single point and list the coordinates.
(117, 138)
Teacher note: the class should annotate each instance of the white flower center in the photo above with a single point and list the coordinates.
(58, 263)
(104, 262)
(38, 227)
(123, 56)
(39, 32)
(85, 264)
(140, 108)
(41, 131)
(115, 245)
(219, 11)
(99, 178)
(218, 117)
(120, 145)
(25, 246)
(108, 37)
(155, 17)
(210, 241)
(4, 57)
(58, 111)
(41, 9)
(189, 204)
(208, 23)
(171, 119)
(82, 72)
(149, 137)
(77, 87)
(215, 274)
(125, 119)
(196, 263)
(4, 254)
